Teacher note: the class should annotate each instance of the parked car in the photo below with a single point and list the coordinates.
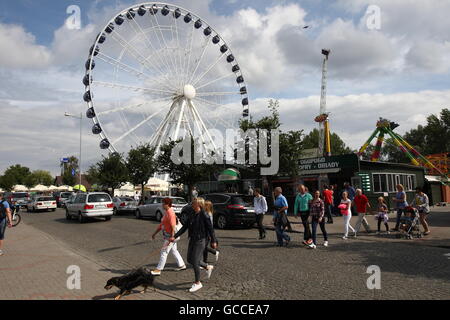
(87, 205)
(153, 207)
(19, 198)
(41, 203)
(63, 198)
(232, 209)
(124, 205)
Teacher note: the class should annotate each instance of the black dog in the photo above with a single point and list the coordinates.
(131, 280)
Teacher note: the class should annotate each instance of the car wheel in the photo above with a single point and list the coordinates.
(221, 222)
(68, 216)
(158, 216)
(138, 214)
(80, 218)
(107, 218)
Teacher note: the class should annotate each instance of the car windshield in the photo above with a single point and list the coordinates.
(178, 201)
(45, 199)
(243, 201)
(99, 198)
(126, 199)
(20, 195)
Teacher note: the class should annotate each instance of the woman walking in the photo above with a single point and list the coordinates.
(210, 211)
(422, 204)
(382, 215)
(400, 204)
(345, 206)
(200, 231)
(260, 205)
(168, 227)
(317, 212)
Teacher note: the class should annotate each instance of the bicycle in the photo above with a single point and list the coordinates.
(16, 218)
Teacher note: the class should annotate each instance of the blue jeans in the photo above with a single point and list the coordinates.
(281, 235)
(399, 216)
(3, 223)
(315, 222)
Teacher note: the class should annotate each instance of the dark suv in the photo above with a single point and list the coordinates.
(232, 209)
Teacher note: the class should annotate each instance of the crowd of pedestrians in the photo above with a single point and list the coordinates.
(314, 211)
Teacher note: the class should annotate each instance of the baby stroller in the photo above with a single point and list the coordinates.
(410, 224)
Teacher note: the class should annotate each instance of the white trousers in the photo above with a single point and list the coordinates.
(165, 250)
(347, 225)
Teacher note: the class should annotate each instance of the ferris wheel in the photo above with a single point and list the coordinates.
(158, 72)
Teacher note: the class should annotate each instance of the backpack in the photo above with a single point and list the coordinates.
(2, 210)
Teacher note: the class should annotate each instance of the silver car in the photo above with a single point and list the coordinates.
(41, 203)
(153, 207)
(87, 205)
(124, 205)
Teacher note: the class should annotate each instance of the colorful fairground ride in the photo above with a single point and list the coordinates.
(386, 128)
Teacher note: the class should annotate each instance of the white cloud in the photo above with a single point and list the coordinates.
(19, 49)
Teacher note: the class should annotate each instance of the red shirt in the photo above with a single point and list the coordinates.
(328, 196)
(361, 202)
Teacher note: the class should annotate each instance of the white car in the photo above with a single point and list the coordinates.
(90, 205)
(41, 203)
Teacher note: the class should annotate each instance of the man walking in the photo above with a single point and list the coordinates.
(301, 207)
(328, 200)
(260, 205)
(280, 217)
(5, 213)
(362, 203)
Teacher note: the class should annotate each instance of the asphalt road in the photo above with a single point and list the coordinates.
(254, 269)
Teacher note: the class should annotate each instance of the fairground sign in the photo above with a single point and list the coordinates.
(329, 164)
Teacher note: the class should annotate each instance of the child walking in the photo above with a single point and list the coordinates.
(382, 215)
(210, 211)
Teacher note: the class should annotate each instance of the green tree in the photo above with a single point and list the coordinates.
(92, 174)
(291, 148)
(7, 182)
(186, 174)
(113, 172)
(141, 164)
(68, 178)
(338, 147)
(39, 177)
(17, 174)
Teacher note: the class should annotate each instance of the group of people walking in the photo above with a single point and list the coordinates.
(202, 239)
(314, 209)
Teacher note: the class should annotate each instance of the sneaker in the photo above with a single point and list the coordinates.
(156, 272)
(325, 244)
(181, 268)
(217, 256)
(286, 243)
(209, 270)
(312, 246)
(354, 236)
(196, 287)
(307, 243)
(344, 237)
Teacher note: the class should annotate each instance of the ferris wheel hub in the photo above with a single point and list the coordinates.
(189, 92)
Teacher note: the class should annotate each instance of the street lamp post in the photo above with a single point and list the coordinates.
(79, 160)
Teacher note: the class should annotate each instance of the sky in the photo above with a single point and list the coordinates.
(398, 70)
